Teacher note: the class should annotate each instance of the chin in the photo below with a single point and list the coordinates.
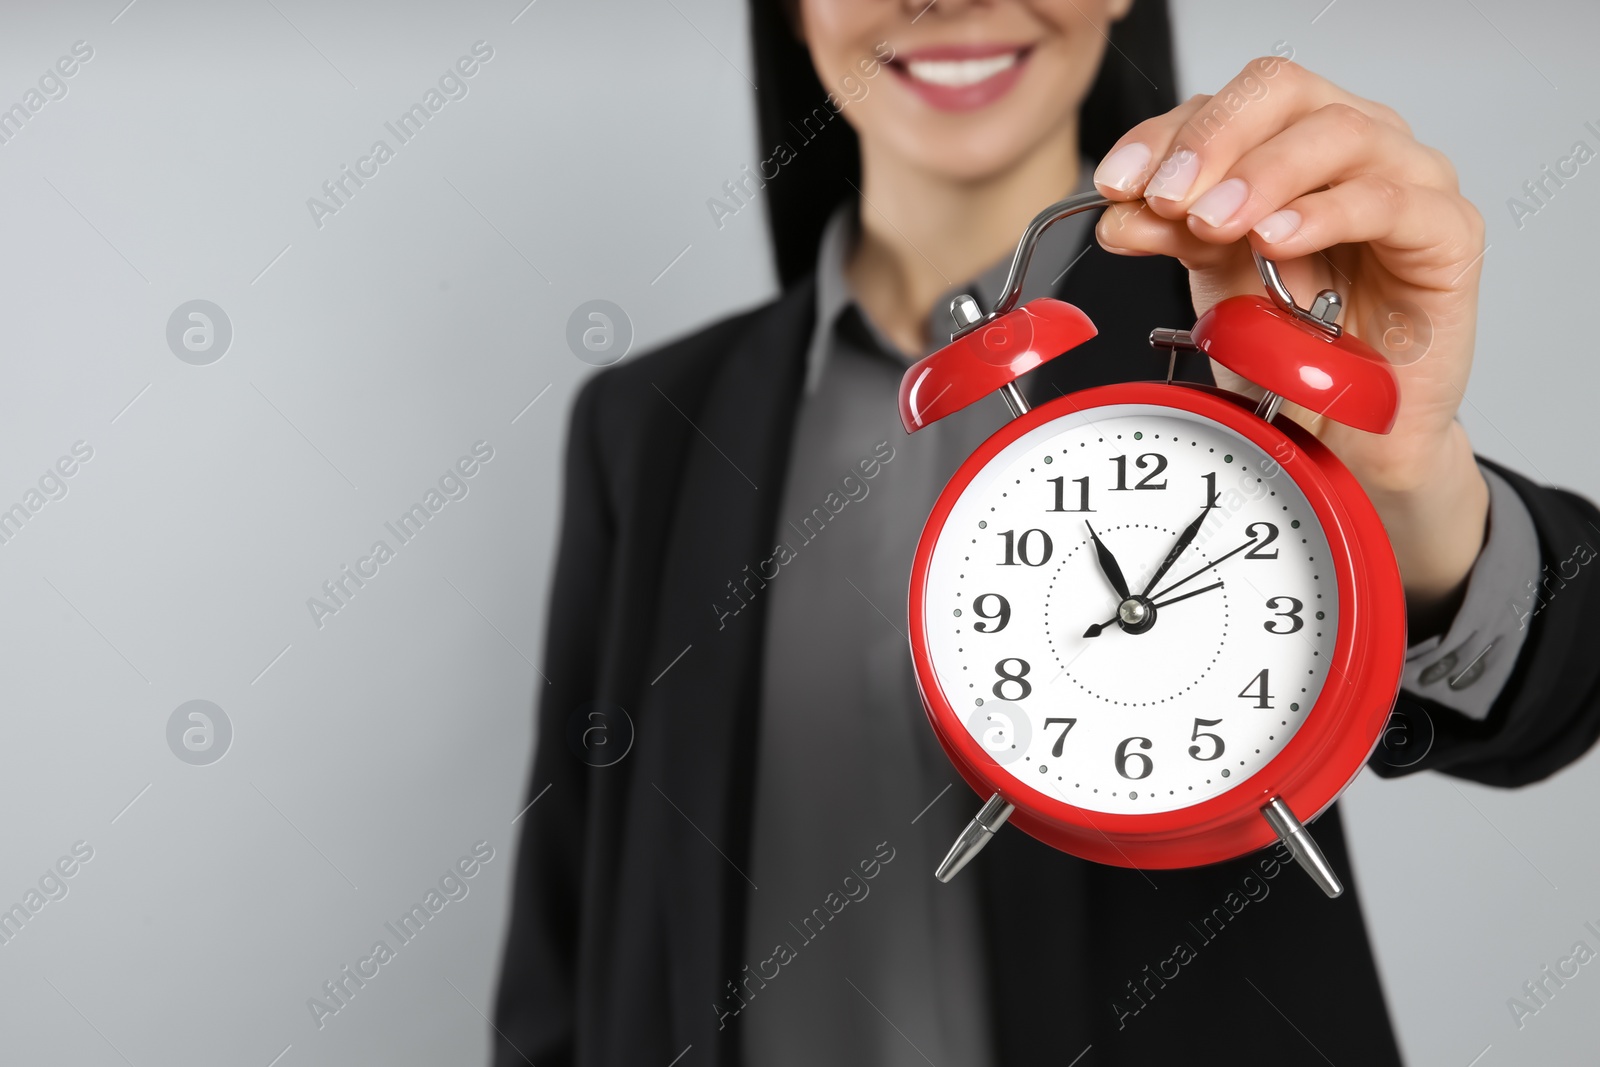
(971, 153)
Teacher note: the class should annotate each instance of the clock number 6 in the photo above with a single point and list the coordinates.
(1124, 757)
(1293, 615)
(1001, 613)
(1194, 750)
(1020, 678)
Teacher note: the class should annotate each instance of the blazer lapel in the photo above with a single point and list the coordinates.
(705, 698)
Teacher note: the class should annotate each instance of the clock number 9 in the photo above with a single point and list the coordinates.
(1293, 615)
(1019, 679)
(1124, 757)
(1194, 750)
(1002, 614)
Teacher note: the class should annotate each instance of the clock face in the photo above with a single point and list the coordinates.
(1168, 694)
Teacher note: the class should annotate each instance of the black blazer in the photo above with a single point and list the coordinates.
(626, 925)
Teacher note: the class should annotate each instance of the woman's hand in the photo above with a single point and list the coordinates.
(1336, 190)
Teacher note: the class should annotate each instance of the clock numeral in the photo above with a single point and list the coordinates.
(1293, 615)
(1124, 757)
(1211, 489)
(1002, 614)
(1255, 550)
(1061, 492)
(1194, 750)
(1160, 462)
(1019, 548)
(1019, 679)
(1070, 723)
(1257, 690)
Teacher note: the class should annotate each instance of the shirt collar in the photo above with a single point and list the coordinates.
(1058, 251)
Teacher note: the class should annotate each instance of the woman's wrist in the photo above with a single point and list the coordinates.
(1437, 526)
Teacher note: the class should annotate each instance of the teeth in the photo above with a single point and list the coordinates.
(958, 73)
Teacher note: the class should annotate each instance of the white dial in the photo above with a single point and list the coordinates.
(1085, 675)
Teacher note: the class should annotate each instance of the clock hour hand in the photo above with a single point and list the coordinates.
(1109, 566)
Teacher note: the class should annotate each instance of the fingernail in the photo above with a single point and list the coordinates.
(1219, 203)
(1123, 169)
(1174, 177)
(1278, 226)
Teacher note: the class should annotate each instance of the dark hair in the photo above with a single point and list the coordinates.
(1137, 79)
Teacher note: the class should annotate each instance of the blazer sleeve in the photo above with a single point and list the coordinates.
(534, 1011)
(1548, 713)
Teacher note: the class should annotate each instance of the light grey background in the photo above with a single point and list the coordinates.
(428, 314)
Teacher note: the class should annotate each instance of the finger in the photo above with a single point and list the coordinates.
(1124, 171)
(1132, 229)
(1198, 147)
(1332, 144)
(1436, 236)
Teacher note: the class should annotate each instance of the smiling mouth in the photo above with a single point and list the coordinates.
(961, 73)
(962, 77)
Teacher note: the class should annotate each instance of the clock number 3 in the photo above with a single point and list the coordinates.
(1019, 679)
(1293, 615)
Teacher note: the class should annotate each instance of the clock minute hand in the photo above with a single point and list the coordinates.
(1183, 541)
(1109, 566)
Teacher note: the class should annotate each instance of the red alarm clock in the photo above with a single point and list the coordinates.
(1155, 624)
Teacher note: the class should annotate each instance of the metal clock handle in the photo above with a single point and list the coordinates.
(964, 309)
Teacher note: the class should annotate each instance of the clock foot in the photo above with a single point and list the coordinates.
(1305, 850)
(990, 818)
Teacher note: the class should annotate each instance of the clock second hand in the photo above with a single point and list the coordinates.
(1186, 596)
(1195, 574)
(1096, 629)
(1099, 628)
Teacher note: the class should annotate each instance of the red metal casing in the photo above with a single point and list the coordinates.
(990, 357)
(1339, 732)
(1340, 377)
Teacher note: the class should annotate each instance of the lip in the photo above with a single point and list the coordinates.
(962, 97)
